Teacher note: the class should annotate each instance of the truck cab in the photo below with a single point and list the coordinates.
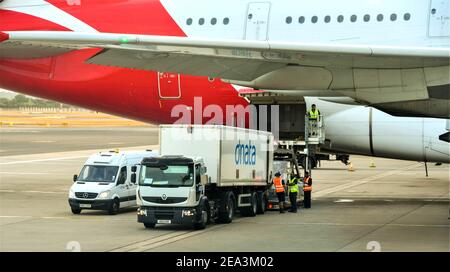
(171, 191)
(104, 182)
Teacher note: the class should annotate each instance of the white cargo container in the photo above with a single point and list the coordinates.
(205, 172)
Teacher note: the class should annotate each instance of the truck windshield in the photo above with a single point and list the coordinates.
(169, 176)
(96, 173)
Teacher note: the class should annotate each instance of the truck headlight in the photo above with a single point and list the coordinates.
(104, 195)
(190, 212)
(71, 194)
(142, 212)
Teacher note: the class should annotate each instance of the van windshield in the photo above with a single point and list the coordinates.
(168, 176)
(97, 173)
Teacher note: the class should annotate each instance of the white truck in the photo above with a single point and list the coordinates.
(104, 182)
(204, 173)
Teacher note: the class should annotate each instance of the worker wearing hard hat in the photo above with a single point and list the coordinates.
(280, 191)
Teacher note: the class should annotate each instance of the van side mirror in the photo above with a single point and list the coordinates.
(134, 168)
(133, 178)
(75, 178)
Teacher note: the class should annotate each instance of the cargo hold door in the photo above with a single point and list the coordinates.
(169, 86)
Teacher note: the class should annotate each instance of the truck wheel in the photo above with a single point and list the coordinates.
(149, 225)
(226, 212)
(75, 210)
(204, 220)
(114, 208)
(253, 208)
(262, 202)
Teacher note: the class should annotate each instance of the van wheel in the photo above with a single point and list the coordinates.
(76, 210)
(204, 218)
(114, 208)
(262, 202)
(226, 210)
(253, 208)
(149, 225)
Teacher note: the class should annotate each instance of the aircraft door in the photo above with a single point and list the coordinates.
(439, 24)
(169, 85)
(257, 25)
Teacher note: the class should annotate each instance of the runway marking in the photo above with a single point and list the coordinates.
(31, 192)
(350, 224)
(21, 173)
(358, 182)
(42, 142)
(344, 201)
(14, 216)
(44, 160)
(166, 239)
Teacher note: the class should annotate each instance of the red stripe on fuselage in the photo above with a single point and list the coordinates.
(119, 16)
(16, 21)
(119, 91)
(130, 93)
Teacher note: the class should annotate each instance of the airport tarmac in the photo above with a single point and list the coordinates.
(390, 207)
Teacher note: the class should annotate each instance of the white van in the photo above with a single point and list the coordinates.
(104, 182)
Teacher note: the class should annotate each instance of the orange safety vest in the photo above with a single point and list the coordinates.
(306, 186)
(279, 188)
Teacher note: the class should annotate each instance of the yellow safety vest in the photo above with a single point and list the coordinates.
(293, 188)
(314, 114)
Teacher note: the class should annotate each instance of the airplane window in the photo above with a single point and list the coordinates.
(380, 17)
(433, 11)
(288, 19)
(189, 21)
(226, 21)
(353, 18)
(213, 21)
(201, 21)
(340, 18)
(314, 19)
(301, 19)
(327, 19)
(393, 17)
(407, 16)
(366, 18)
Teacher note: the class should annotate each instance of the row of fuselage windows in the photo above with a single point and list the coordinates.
(314, 19)
(353, 18)
(213, 21)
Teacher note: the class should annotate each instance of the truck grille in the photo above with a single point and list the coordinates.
(169, 200)
(164, 214)
(86, 195)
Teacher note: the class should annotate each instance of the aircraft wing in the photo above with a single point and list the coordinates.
(238, 60)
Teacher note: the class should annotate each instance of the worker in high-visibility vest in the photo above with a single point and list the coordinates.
(314, 113)
(293, 192)
(279, 190)
(307, 188)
